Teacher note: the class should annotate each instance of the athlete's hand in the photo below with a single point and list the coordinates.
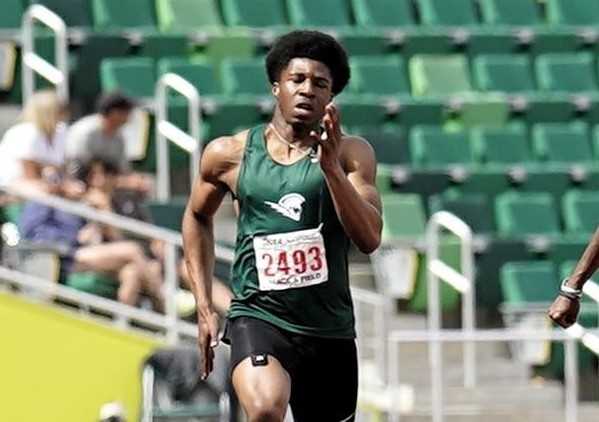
(207, 340)
(330, 139)
(564, 311)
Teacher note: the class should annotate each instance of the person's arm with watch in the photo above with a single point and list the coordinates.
(566, 306)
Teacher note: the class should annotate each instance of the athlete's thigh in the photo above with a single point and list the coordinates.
(325, 387)
(264, 385)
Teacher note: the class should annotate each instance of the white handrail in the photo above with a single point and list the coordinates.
(166, 131)
(34, 63)
(171, 238)
(464, 283)
(588, 337)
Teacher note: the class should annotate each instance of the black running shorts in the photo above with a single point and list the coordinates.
(323, 371)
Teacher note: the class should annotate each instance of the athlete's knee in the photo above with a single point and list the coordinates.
(266, 410)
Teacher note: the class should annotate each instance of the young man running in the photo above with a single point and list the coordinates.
(304, 190)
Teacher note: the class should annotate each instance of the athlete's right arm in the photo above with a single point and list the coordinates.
(206, 196)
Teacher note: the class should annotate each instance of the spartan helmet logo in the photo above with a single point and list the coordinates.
(289, 205)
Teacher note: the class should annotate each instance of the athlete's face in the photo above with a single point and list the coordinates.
(303, 90)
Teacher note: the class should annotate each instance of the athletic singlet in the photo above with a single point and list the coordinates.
(290, 266)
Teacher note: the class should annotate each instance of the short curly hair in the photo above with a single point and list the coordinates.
(313, 45)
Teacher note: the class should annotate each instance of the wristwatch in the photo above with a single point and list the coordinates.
(568, 291)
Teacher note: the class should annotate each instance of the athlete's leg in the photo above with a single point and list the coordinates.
(325, 385)
(263, 391)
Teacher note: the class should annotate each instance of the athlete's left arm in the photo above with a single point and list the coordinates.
(349, 167)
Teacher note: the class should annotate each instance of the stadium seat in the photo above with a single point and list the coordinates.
(256, 14)
(157, 45)
(522, 214)
(432, 147)
(529, 282)
(389, 142)
(473, 208)
(75, 13)
(573, 12)
(244, 76)
(361, 110)
(11, 16)
(581, 211)
(316, 13)
(200, 74)
(93, 283)
(433, 75)
(558, 143)
(167, 214)
(413, 218)
(379, 76)
(383, 13)
(425, 182)
(237, 43)
(504, 146)
(420, 111)
(566, 72)
(188, 15)
(552, 179)
(232, 115)
(510, 12)
(445, 13)
(123, 15)
(508, 73)
(134, 76)
(487, 180)
(476, 110)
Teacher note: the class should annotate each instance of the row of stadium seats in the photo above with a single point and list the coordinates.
(511, 214)
(429, 75)
(184, 15)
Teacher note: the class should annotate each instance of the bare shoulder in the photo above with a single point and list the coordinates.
(223, 154)
(357, 152)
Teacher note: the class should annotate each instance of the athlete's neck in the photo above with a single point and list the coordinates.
(297, 134)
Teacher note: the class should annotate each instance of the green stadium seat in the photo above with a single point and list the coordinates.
(93, 283)
(447, 13)
(473, 208)
(566, 72)
(523, 214)
(581, 211)
(567, 248)
(316, 13)
(11, 16)
(75, 13)
(560, 143)
(167, 214)
(200, 74)
(432, 147)
(245, 77)
(379, 76)
(383, 13)
(232, 115)
(573, 12)
(529, 282)
(508, 73)
(505, 146)
(384, 178)
(487, 180)
(413, 218)
(238, 43)
(158, 45)
(420, 111)
(360, 41)
(134, 76)
(361, 110)
(510, 12)
(552, 179)
(433, 75)
(389, 142)
(123, 15)
(255, 14)
(487, 110)
(425, 182)
(188, 15)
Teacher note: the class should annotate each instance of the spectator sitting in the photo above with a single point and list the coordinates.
(32, 153)
(99, 137)
(95, 247)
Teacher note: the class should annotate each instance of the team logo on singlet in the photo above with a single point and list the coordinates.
(289, 205)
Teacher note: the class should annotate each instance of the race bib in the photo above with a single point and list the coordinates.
(291, 260)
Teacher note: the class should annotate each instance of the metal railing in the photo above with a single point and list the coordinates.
(569, 336)
(166, 131)
(464, 283)
(34, 63)
(171, 238)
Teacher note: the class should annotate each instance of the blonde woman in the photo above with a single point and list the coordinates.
(32, 152)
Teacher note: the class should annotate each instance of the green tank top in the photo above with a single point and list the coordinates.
(276, 198)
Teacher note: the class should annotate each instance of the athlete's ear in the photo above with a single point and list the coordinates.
(275, 89)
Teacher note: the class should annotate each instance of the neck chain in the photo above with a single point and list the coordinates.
(312, 152)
